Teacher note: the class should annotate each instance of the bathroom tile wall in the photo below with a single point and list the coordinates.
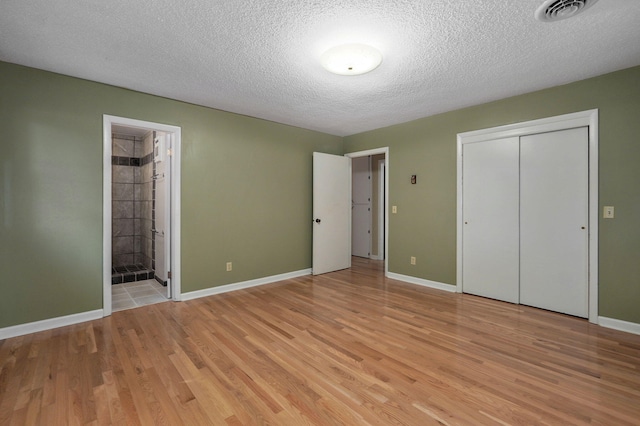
(131, 200)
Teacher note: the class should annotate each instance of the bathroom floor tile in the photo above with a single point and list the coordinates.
(148, 300)
(124, 304)
(137, 293)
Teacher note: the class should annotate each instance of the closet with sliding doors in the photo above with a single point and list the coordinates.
(524, 230)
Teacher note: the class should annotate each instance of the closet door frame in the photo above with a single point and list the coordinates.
(587, 118)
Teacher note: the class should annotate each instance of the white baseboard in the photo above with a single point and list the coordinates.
(244, 284)
(48, 324)
(422, 282)
(629, 327)
(375, 257)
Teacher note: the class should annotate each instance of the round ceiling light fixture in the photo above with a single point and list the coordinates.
(351, 59)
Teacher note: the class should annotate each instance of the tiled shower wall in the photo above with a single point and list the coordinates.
(131, 200)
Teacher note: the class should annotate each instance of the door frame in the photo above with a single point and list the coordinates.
(175, 184)
(587, 118)
(382, 231)
(369, 218)
(385, 151)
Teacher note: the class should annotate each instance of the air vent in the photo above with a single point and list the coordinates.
(556, 10)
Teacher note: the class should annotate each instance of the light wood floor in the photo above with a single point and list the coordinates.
(345, 348)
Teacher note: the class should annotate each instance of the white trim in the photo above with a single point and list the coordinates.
(106, 215)
(48, 324)
(381, 208)
(374, 257)
(244, 284)
(567, 121)
(422, 282)
(385, 151)
(176, 145)
(629, 327)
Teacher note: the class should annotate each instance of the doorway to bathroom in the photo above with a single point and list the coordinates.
(141, 249)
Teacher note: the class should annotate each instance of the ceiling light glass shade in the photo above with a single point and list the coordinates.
(351, 59)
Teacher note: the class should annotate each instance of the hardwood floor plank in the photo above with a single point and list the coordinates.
(344, 348)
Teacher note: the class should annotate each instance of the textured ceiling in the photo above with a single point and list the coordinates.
(261, 57)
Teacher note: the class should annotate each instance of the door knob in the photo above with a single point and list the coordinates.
(318, 220)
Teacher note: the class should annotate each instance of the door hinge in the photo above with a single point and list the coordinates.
(169, 275)
(170, 152)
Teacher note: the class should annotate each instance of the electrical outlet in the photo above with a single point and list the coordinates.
(608, 212)
(413, 260)
(229, 266)
(394, 209)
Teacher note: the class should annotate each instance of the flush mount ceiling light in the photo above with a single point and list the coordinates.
(351, 59)
(555, 10)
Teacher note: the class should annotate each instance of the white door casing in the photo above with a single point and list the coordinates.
(381, 208)
(173, 160)
(331, 213)
(361, 206)
(384, 199)
(554, 200)
(490, 241)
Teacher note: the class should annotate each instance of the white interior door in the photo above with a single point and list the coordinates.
(331, 213)
(490, 243)
(554, 220)
(361, 206)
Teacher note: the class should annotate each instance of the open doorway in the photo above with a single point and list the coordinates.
(141, 213)
(369, 204)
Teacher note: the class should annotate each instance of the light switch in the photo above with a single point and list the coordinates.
(394, 209)
(608, 212)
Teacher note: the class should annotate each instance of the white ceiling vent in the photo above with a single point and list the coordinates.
(555, 10)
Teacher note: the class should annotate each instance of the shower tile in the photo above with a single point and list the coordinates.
(147, 246)
(122, 147)
(147, 173)
(146, 191)
(137, 174)
(122, 191)
(148, 211)
(123, 174)
(121, 259)
(137, 209)
(139, 148)
(122, 227)
(136, 244)
(122, 245)
(137, 226)
(147, 144)
(122, 209)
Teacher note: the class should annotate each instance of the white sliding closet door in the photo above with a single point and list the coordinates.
(490, 219)
(554, 235)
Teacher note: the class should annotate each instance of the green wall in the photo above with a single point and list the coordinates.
(246, 188)
(425, 224)
(246, 192)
